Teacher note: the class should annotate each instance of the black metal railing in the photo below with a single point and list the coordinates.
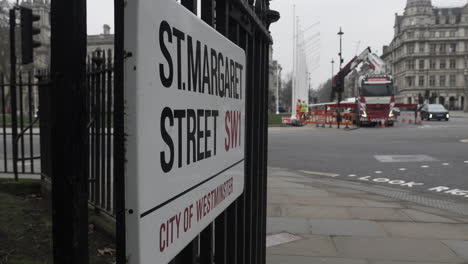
(26, 124)
(100, 89)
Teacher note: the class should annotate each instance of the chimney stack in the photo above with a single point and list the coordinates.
(106, 29)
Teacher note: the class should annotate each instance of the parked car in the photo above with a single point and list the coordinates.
(434, 111)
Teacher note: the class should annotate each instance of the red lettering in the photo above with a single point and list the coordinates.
(162, 243)
(199, 209)
(227, 139)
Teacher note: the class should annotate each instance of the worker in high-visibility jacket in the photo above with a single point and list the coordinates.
(298, 109)
(304, 110)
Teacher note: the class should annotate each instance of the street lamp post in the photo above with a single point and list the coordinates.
(278, 71)
(338, 116)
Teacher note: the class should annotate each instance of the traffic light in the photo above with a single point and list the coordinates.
(339, 83)
(28, 31)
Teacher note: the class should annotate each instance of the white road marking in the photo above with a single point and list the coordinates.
(402, 169)
(352, 175)
(466, 161)
(464, 141)
(404, 158)
(378, 172)
(424, 166)
(446, 164)
(320, 173)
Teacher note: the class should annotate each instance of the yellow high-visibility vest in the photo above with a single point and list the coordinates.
(304, 108)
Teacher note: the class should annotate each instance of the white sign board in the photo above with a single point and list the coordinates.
(185, 120)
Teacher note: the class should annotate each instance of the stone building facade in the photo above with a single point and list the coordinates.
(428, 55)
(101, 42)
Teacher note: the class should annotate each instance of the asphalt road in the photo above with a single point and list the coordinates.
(435, 155)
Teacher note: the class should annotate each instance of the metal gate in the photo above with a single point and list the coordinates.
(19, 125)
(238, 234)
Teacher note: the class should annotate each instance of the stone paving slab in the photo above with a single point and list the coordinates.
(320, 201)
(425, 230)
(394, 249)
(273, 259)
(378, 204)
(287, 224)
(459, 247)
(341, 225)
(378, 214)
(412, 262)
(338, 227)
(312, 246)
(420, 216)
(306, 211)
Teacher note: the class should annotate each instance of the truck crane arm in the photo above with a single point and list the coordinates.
(374, 62)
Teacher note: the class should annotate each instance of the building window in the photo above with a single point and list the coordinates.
(453, 47)
(432, 64)
(453, 63)
(421, 64)
(443, 48)
(421, 81)
(433, 48)
(453, 80)
(442, 81)
(466, 80)
(422, 47)
(410, 34)
(410, 48)
(432, 80)
(432, 34)
(443, 64)
(409, 81)
(442, 34)
(466, 46)
(410, 65)
(453, 34)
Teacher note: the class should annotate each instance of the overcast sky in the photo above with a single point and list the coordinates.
(369, 22)
(100, 12)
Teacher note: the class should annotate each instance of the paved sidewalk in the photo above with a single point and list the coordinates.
(336, 225)
(459, 114)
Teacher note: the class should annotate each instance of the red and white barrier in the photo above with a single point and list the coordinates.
(410, 118)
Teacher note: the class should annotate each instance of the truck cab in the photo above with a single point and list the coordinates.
(376, 99)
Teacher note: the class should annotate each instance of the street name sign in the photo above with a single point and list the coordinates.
(185, 122)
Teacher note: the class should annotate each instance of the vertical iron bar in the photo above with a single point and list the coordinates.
(188, 255)
(109, 131)
(241, 202)
(103, 129)
(30, 115)
(14, 117)
(4, 119)
(264, 174)
(207, 12)
(221, 238)
(21, 110)
(206, 245)
(257, 147)
(97, 134)
(93, 131)
(119, 136)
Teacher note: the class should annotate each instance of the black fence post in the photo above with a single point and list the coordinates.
(68, 126)
(44, 125)
(14, 116)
